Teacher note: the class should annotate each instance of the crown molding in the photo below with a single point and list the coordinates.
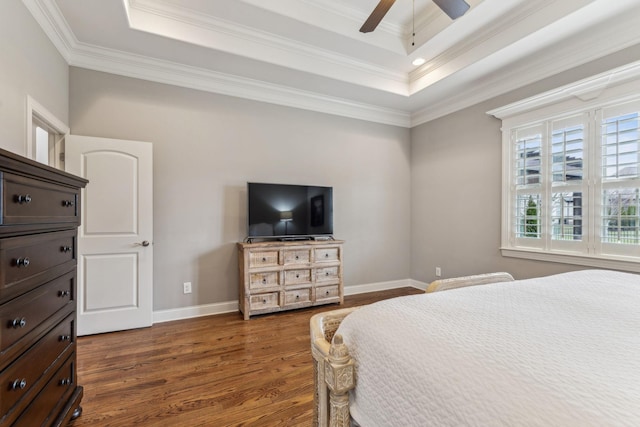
(585, 90)
(195, 28)
(159, 71)
(590, 46)
(49, 17)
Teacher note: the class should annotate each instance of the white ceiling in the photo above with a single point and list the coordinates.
(309, 53)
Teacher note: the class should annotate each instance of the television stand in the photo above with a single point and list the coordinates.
(278, 276)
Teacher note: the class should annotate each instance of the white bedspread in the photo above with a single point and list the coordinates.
(557, 351)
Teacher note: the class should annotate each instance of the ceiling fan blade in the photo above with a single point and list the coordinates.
(376, 16)
(454, 8)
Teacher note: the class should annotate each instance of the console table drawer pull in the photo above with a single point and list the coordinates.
(63, 294)
(19, 384)
(65, 381)
(67, 203)
(65, 337)
(19, 198)
(19, 323)
(65, 249)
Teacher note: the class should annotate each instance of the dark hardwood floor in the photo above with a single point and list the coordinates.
(209, 371)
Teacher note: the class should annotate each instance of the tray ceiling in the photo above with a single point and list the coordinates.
(309, 53)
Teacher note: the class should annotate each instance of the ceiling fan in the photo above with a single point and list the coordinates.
(453, 8)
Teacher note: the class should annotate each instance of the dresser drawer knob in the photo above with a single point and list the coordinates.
(22, 198)
(297, 257)
(297, 296)
(19, 384)
(326, 255)
(297, 276)
(264, 259)
(22, 262)
(63, 294)
(65, 249)
(19, 323)
(67, 203)
(65, 337)
(264, 300)
(264, 280)
(326, 292)
(326, 273)
(65, 381)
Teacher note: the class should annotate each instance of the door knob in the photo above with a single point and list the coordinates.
(144, 243)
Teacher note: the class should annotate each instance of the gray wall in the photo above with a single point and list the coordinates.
(456, 179)
(29, 65)
(207, 146)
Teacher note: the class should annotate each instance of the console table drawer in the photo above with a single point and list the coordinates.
(301, 256)
(264, 301)
(25, 313)
(327, 274)
(327, 254)
(264, 280)
(267, 258)
(327, 292)
(299, 296)
(296, 277)
(29, 201)
(25, 373)
(35, 258)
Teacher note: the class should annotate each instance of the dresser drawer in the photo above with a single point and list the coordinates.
(327, 292)
(25, 313)
(266, 258)
(264, 280)
(299, 256)
(263, 301)
(33, 259)
(296, 277)
(299, 296)
(23, 376)
(47, 404)
(327, 274)
(327, 254)
(30, 201)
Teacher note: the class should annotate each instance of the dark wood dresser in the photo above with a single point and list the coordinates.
(39, 218)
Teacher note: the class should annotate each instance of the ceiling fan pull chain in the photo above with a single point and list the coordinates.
(413, 24)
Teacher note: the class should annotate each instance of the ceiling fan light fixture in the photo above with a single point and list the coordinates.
(418, 61)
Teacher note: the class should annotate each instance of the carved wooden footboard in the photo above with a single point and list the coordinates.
(334, 373)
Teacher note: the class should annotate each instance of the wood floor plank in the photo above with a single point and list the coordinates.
(210, 371)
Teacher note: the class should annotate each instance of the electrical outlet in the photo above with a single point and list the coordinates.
(186, 287)
(438, 272)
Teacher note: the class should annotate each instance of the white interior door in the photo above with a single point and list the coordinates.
(115, 251)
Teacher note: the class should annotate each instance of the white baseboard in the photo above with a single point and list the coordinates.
(161, 316)
(194, 311)
(382, 286)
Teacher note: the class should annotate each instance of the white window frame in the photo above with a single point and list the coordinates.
(37, 114)
(588, 96)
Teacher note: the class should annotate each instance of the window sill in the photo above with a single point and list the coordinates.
(615, 263)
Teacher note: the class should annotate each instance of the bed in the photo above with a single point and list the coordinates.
(561, 350)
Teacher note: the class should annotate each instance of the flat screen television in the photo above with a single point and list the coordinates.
(289, 211)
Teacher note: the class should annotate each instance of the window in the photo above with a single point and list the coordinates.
(45, 135)
(572, 188)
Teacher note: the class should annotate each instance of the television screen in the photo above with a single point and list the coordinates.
(281, 210)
